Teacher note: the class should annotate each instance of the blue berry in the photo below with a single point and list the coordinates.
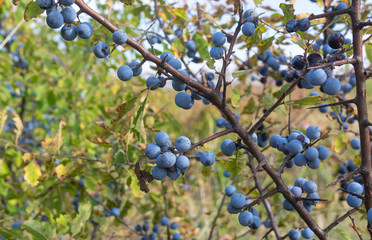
(323, 152)
(159, 173)
(161, 138)
(115, 212)
(355, 187)
(274, 139)
(152, 82)
(125, 73)
(68, 32)
(167, 56)
(164, 221)
(294, 234)
(294, 146)
(152, 151)
(182, 163)
(230, 190)
(69, 14)
(45, 4)
(101, 50)
(313, 132)
(173, 173)
(303, 24)
(297, 191)
(84, 30)
(165, 160)
(332, 86)
(316, 76)
(66, 2)
(310, 187)
(207, 158)
(245, 218)
(183, 144)
(216, 52)
(355, 143)
(232, 210)
(191, 45)
(54, 20)
(119, 37)
(291, 26)
(300, 159)
(220, 122)
(227, 174)
(174, 225)
(256, 223)
(218, 39)
(237, 200)
(353, 201)
(307, 233)
(369, 216)
(175, 63)
(176, 236)
(248, 29)
(228, 147)
(287, 205)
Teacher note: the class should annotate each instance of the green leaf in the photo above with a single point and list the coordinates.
(256, 2)
(127, 2)
(236, 165)
(38, 231)
(265, 44)
(4, 169)
(124, 108)
(235, 97)
(32, 11)
(136, 124)
(288, 12)
(109, 158)
(79, 221)
(340, 143)
(311, 100)
(241, 73)
(343, 234)
(51, 98)
(202, 45)
(210, 63)
(63, 222)
(178, 48)
(268, 100)
(250, 107)
(11, 234)
(369, 51)
(32, 173)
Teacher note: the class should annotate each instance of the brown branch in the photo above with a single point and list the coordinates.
(214, 136)
(334, 104)
(340, 219)
(216, 217)
(345, 177)
(330, 14)
(354, 227)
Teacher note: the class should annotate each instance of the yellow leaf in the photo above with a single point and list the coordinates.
(55, 143)
(61, 170)
(32, 173)
(340, 143)
(27, 157)
(19, 126)
(3, 115)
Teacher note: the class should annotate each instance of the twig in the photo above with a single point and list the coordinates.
(214, 136)
(163, 191)
(340, 219)
(354, 227)
(216, 217)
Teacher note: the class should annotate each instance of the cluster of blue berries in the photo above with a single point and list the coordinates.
(355, 200)
(301, 185)
(295, 234)
(235, 206)
(293, 26)
(144, 230)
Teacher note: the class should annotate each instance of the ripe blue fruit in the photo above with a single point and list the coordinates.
(191, 45)
(156, 229)
(303, 24)
(313, 195)
(174, 62)
(45, 4)
(136, 70)
(281, 144)
(152, 151)
(230, 190)
(273, 63)
(369, 216)
(16, 224)
(164, 221)
(291, 26)
(306, 84)
(152, 236)
(54, 20)
(216, 52)
(152, 82)
(53, 8)
(184, 100)
(341, 6)
(264, 71)
(220, 122)
(323, 152)
(256, 223)
(115, 211)
(245, 218)
(352, 80)
(294, 234)
(207, 158)
(311, 154)
(297, 191)
(125, 73)
(174, 225)
(332, 86)
(69, 14)
(313, 132)
(101, 49)
(248, 29)
(182, 163)
(227, 174)
(355, 143)
(314, 58)
(314, 164)
(294, 146)
(299, 182)
(218, 39)
(84, 30)
(355, 187)
(287, 205)
(176, 236)
(346, 88)
(67, 2)
(209, 76)
(228, 147)
(307, 233)
(237, 200)
(119, 37)
(316, 76)
(165, 160)
(353, 201)
(232, 210)
(298, 62)
(310, 186)
(267, 223)
(323, 109)
(273, 140)
(159, 173)
(68, 32)
(167, 56)
(183, 144)
(336, 40)
(173, 173)
(161, 138)
(300, 159)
